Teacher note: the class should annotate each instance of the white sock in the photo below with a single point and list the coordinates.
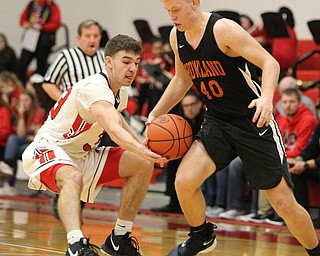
(122, 227)
(74, 236)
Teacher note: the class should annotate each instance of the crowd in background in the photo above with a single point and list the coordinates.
(23, 110)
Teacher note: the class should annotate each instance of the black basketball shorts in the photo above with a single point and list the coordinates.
(260, 149)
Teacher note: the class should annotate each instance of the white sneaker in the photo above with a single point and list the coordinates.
(5, 170)
(246, 217)
(231, 214)
(213, 212)
(7, 190)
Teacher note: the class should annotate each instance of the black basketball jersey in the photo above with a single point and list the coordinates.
(227, 85)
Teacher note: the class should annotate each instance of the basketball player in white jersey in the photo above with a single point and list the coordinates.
(65, 159)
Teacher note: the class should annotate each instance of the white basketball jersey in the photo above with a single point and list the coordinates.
(71, 124)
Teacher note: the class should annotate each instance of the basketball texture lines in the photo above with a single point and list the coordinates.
(169, 135)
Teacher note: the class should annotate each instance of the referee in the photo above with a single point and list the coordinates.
(74, 64)
(71, 66)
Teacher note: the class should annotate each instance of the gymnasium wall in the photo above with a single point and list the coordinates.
(117, 15)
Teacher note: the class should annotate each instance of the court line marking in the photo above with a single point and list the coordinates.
(31, 247)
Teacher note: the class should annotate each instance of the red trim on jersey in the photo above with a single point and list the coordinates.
(111, 167)
(48, 177)
(79, 126)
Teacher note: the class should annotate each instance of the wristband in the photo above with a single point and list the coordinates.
(306, 165)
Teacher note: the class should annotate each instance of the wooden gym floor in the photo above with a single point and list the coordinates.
(27, 228)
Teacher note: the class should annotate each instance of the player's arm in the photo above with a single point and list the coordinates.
(108, 117)
(178, 86)
(237, 42)
(52, 90)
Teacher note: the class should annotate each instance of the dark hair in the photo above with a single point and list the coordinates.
(287, 15)
(192, 93)
(87, 24)
(156, 39)
(4, 39)
(122, 43)
(292, 91)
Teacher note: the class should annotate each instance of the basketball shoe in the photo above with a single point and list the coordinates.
(82, 248)
(196, 243)
(122, 245)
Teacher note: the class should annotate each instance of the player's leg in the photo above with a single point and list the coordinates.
(191, 174)
(69, 181)
(137, 173)
(295, 216)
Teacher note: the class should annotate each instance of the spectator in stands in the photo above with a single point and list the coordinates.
(155, 74)
(42, 16)
(256, 31)
(8, 59)
(284, 49)
(306, 167)
(10, 88)
(6, 127)
(288, 82)
(30, 118)
(193, 112)
(298, 123)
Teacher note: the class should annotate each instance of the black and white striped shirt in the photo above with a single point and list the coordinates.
(71, 66)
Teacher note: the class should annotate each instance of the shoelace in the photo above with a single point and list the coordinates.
(194, 236)
(89, 246)
(134, 243)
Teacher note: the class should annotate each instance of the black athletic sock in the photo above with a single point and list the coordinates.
(201, 230)
(314, 251)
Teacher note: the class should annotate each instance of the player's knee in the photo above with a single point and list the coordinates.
(182, 184)
(147, 167)
(144, 167)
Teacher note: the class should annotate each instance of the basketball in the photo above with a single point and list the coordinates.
(170, 136)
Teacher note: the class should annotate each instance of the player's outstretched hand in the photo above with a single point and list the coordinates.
(263, 114)
(146, 153)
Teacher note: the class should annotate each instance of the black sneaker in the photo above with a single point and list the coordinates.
(82, 248)
(276, 220)
(123, 245)
(260, 218)
(196, 243)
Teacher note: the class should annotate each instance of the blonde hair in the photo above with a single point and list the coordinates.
(6, 76)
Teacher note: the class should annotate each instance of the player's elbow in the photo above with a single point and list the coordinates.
(273, 64)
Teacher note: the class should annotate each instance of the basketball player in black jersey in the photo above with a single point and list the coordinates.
(216, 55)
